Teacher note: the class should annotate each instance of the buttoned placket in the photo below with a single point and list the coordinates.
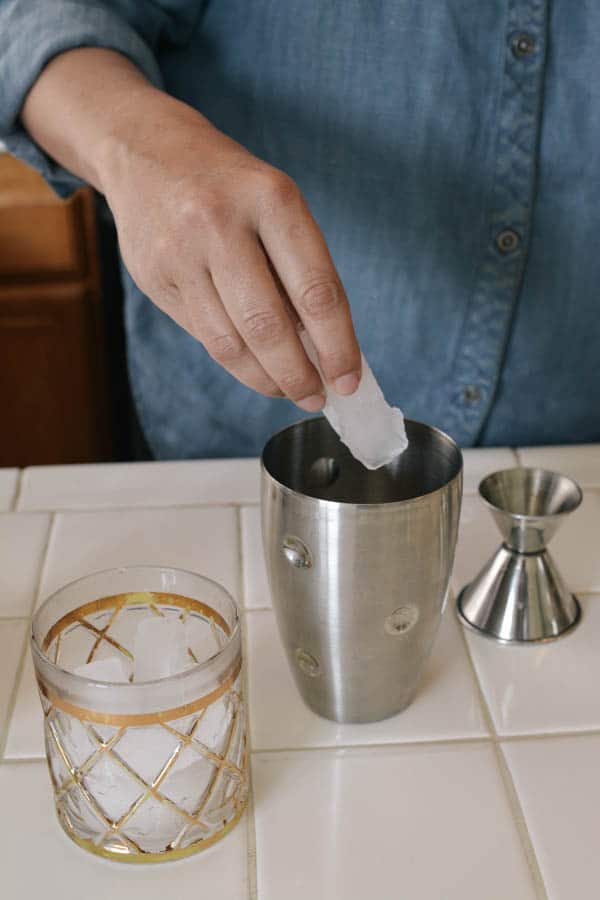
(478, 363)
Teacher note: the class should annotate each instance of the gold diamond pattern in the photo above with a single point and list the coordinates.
(221, 799)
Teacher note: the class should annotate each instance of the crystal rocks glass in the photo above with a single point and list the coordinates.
(147, 771)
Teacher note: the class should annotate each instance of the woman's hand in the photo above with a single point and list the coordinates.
(221, 241)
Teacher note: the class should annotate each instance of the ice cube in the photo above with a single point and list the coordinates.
(214, 725)
(113, 669)
(159, 648)
(113, 789)
(188, 780)
(204, 638)
(372, 430)
(146, 749)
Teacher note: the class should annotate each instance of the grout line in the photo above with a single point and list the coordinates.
(45, 557)
(378, 748)
(548, 735)
(17, 494)
(24, 650)
(240, 558)
(207, 504)
(250, 821)
(12, 700)
(509, 785)
(251, 840)
(22, 761)
(4, 619)
(521, 823)
(443, 743)
(197, 504)
(28, 513)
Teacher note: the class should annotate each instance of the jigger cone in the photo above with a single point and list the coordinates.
(519, 594)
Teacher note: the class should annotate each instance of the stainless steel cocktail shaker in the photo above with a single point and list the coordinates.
(359, 563)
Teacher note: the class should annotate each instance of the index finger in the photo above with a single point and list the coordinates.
(297, 249)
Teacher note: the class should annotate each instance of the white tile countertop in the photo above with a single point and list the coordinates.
(486, 788)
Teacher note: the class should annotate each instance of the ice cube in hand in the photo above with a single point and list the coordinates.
(113, 669)
(159, 648)
(372, 430)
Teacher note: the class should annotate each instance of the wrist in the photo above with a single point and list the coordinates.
(128, 132)
(153, 134)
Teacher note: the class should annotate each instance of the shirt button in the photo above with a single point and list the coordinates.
(471, 393)
(507, 240)
(522, 45)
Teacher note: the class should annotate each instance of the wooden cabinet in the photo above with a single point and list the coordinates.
(54, 390)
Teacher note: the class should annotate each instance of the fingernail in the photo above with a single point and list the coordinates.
(311, 404)
(346, 384)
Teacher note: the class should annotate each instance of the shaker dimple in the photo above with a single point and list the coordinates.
(401, 620)
(296, 552)
(308, 663)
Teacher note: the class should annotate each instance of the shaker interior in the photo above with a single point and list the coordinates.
(309, 458)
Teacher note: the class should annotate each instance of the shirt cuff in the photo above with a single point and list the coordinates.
(31, 34)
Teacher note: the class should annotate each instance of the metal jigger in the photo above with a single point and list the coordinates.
(519, 594)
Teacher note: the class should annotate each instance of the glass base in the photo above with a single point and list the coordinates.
(164, 855)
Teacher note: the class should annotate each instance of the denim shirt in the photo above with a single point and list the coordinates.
(449, 152)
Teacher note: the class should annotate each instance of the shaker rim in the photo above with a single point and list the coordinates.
(388, 504)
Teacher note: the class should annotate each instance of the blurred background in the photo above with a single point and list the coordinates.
(63, 379)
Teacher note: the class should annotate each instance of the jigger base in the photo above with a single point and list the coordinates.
(518, 598)
(499, 640)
